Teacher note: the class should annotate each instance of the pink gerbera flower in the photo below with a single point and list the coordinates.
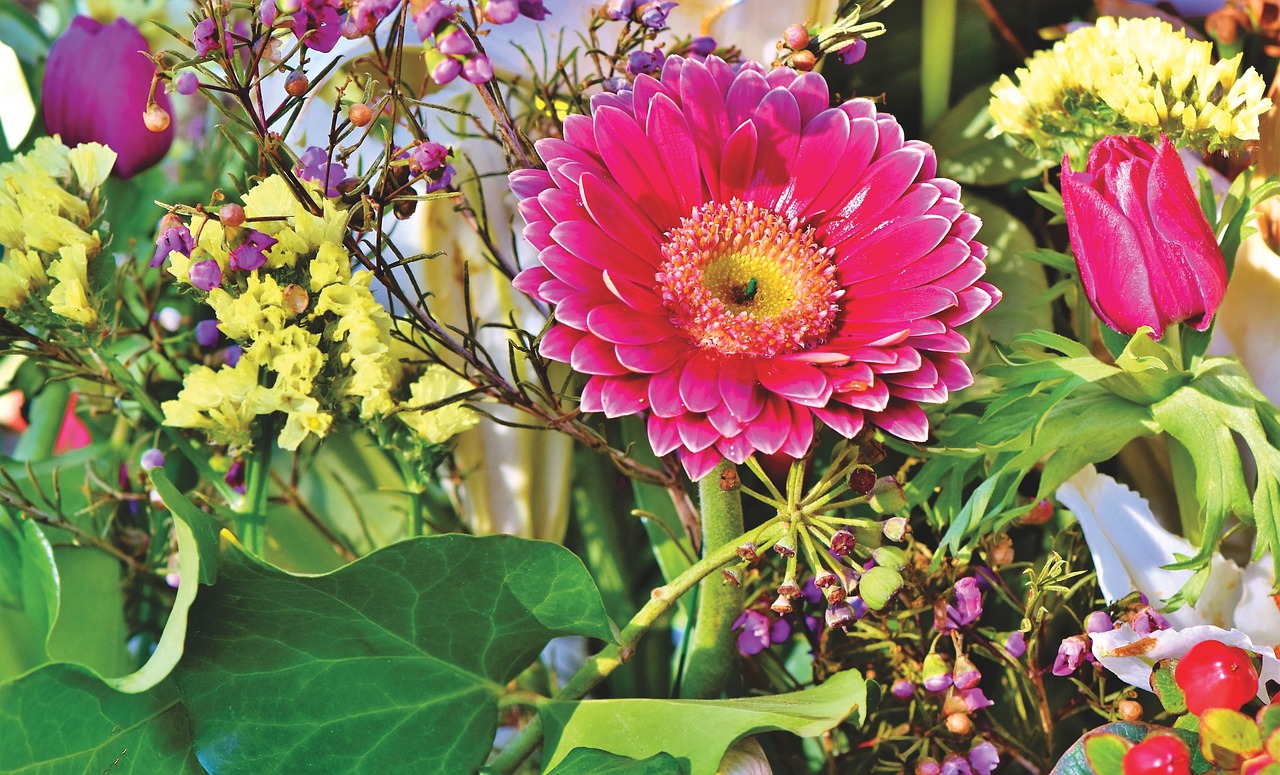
(730, 255)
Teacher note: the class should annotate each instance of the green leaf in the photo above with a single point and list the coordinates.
(1268, 722)
(698, 732)
(1104, 751)
(1228, 737)
(28, 595)
(593, 761)
(62, 718)
(1171, 695)
(90, 629)
(21, 32)
(394, 662)
(1073, 761)
(967, 155)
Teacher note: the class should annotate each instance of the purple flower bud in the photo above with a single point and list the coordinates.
(843, 542)
(616, 84)
(251, 254)
(644, 62)
(618, 9)
(314, 164)
(654, 15)
(501, 11)
(968, 600)
(1098, 621)
(1149, 620)
(974, 700)
(96, 83)
(902, 689)
(231, 356)
(446, 70)
(859, 606)
(205, 37)
(702, 46)
(965, 675)
(426, 156)
(207, 333)
(1016, 644)
(935, 673)
(430, 17)
(477, 69)
(175, 238)
(854, 52)
(235, 474)
(928, 766)
(187, 83)
(152, 458)
(534, 9)
(955, 764)
(983, 757)
(267, 13)
(205, 275)
(456, 42)
(1070, 654)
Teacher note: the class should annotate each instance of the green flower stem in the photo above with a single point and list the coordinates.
(600, 666)
(251, 516)
(712, 654)
(188, 447)
(937, 52)
(48, 409)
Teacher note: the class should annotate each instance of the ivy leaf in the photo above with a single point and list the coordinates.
(28, 595)
(392, 663)
(1104, 751)
(593, 761)
(698, 732)
(63, 718)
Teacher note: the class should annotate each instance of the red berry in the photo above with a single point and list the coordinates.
(296, 83)
(1215, 675)
(1158, 755)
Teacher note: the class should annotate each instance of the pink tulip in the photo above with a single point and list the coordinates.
(96, 85)
(1147, 255)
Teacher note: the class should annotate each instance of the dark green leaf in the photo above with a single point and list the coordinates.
(28, 595)
(593, 761)
(393, 663)
(967, 155)
(1167, 689)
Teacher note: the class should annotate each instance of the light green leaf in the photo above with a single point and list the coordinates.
(967, 155)
(592, 761)
(1105, 751)
(63, 719)
(1228, 737)
(90, 628)
(392, 663)
(28, 595)
(698, 732)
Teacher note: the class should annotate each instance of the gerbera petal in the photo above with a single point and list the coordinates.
(736, 163)
(812, 95)
(651, 358)
(624, 396)
(558, 343)
(529, 183)
(529, 280)
(904, 420)
(577, 131)
(844, 420)
(741, 393)
(708, 121)
(593, 356)
(744, 96)
(664, 392)
(799, 382)
(852, 162)
(724, 422)
(700, 384)
(769, 430)
(948, 342)
(621, 325)
(885, 182)
(860, 108)
(890, 252)
(589, 243)
(777, 122)
(697, 465)
(800, 438)
(973, 302)
(923, 375)
(644, 88)
(812, 167)
(618, 218)
(696, 431)
(904, 305)
(632, 162)
(664, 435)
(953, 372)
(735, 449)
(679, 154)
(874, 399)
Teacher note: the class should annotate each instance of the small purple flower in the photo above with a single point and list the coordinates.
(702, 46)
(314, 164)
(235, 475)
(441, 179)
(965, 675)
(902, 689)
(984, 757)
(501, 11)
(810, 592)
(854, 52)
(152, 458)
(477, 69)
(205, 37)
(534, 9)
(446, 70)
(859, 606)
(974, 700)
(1149, 620)
(267, 13)
(205, 275)
(320, 22)
(644, 62)
(207, 333)
(968, 599)
(1098, 621)
(169, 319)
(1016, 644)
(618, 9)
(935, 673)
(616, 84)
(426, 156)
(231, 356)
(927, 766)
(840, 615)
(758, 632)
(187, 83)
(252, 253)
(456, 42)
(430, 16)
(955, 764)
(1070, 654)
(654, 15)
(365, 15)
(173, 239)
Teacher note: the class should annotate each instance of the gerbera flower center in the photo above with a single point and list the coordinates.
(742, 280)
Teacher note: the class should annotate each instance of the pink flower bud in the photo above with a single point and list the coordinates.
(1146, 253)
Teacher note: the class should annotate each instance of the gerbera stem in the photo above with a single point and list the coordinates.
(712, 653)
(937, 52)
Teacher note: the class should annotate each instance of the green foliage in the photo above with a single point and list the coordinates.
(28, 595)
(967, 155)
(394, 662)
(592, 761)
(1104, 751)
(698, 732)
(1166, 688)
(1228, 737)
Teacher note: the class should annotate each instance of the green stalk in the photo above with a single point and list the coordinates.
(600, 666)
(712, 654)
(937, 52)
(251, 515)
(48, 409)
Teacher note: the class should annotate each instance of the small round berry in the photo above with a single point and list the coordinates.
(152, 458)
(156, 118)
(207, 333)
(1215, 675)
(1130, 710)
(804, 61)
(359, 114)
(1039, 514)
(231, 215)
(959, 724)
(296, 83)
(796, 37)
(186, 83)
(1158, 755)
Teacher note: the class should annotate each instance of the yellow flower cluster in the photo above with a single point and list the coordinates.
(48, 204)
(317, 344)
(1128, 77)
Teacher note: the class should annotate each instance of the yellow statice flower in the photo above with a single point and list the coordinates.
(20, 274)
(437, 426)
(255, 312)
(304, 418)
(69, 297)
(296, 230)
(92, 163)
(364, 328)
(292, 354)
(1128, 77)
(222, 403)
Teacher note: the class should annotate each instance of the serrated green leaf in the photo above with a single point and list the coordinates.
(28, 595)
(593, 761)
(698, 732)
(394, 662)
(62, 718)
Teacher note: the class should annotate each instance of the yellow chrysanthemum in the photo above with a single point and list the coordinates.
(1132, 77)
(438, 425)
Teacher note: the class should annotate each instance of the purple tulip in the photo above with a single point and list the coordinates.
(1146, 254)
(1070, 654)
(96, 85)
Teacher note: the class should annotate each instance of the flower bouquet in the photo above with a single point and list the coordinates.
(641, 387)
